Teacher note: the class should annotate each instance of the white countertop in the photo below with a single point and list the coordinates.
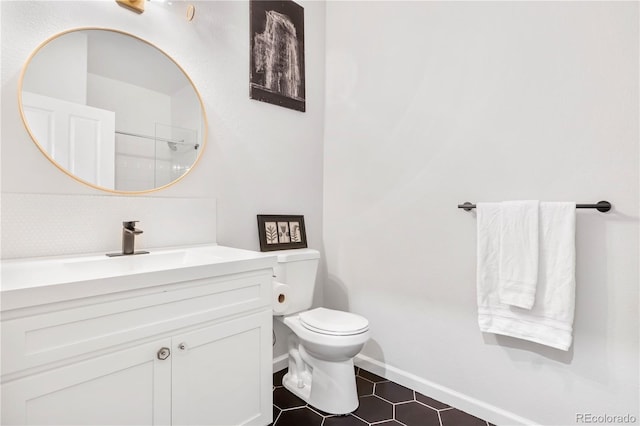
(33, 281)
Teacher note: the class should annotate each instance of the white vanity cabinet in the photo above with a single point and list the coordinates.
(220, 373)
(190, 351)
(128, 386)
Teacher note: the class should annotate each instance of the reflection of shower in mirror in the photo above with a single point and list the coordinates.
(154, 157)
(173, 146)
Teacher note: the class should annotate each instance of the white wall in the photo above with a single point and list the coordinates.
(430, 104)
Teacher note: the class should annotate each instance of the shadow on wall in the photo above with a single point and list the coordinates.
(565, 357)
(337, 297)
(282, 333)
(373, 350)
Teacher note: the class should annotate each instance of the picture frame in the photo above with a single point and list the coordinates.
(281, 232)
(277, 74)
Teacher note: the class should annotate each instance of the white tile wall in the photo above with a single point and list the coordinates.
(35, 225)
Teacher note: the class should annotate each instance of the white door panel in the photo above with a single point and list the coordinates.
(80, 138)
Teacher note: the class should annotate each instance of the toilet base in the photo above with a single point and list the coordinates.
(329, 386)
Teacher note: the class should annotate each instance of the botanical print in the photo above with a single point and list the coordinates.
(277, 53)
(271, 232)
(294, 228)
(283, 232)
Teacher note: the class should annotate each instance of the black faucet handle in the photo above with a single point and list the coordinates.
(130, 224)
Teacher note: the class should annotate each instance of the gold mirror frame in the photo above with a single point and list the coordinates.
(205, 126)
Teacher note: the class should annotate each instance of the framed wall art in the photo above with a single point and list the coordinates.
(281, 232)
(277, 53)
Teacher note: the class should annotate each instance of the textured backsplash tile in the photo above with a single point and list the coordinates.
(35, 225)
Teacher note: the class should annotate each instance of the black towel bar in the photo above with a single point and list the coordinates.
(601, 206)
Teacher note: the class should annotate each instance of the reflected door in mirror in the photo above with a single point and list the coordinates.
(79, 138)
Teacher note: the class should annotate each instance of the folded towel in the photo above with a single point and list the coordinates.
(518, 255)
(550, 320)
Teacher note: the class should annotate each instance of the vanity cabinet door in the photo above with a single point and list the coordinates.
(127, 387)
(222, 373)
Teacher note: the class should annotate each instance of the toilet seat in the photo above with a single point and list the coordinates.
(332, 322)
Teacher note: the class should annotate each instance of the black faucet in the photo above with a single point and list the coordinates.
(129, 232)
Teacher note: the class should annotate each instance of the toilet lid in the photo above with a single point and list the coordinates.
(337, 323)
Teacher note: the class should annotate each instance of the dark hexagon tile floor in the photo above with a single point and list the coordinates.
(382, 403)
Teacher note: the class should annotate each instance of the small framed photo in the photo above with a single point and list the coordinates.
(281, 232)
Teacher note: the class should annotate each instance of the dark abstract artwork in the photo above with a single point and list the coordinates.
(277, 53)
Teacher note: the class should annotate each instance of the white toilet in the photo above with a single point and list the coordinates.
(324, 342)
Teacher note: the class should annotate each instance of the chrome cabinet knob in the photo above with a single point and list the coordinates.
(182, 346)
(164, 353)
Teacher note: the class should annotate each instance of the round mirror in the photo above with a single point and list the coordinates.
(112, 110)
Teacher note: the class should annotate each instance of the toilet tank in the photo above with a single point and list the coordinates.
(297, 269)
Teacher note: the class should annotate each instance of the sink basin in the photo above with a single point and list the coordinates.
(159, 260)
(93, 274)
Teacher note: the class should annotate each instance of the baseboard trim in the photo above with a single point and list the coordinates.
(473, 406)
(280, 362)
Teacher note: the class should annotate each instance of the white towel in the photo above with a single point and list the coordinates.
(550, 320)
(518, 256)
